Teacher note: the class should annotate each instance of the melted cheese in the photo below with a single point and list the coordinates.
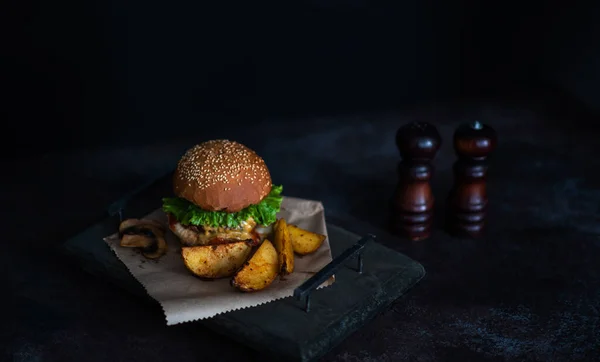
(190, 237)
(244, 227)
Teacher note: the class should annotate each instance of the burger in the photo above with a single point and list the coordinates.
(223, 194)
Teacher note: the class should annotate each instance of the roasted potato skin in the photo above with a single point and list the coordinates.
(283, 245)
(216, 261)
(260, 271)
(304, 242)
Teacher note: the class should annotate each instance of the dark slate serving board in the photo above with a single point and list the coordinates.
(282, 329)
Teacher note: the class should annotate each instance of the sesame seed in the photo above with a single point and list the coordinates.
(222, 162)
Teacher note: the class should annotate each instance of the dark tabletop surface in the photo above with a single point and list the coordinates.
(529, 290)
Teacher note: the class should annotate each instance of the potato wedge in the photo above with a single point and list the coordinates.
(260, 271)
(303, 241)
(216, 261)
(283, 245)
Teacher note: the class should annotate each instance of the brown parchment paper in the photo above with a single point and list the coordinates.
(185, 298)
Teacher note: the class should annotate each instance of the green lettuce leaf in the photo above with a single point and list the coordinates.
(264, 213)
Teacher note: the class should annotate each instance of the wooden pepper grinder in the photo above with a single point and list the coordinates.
(467, 202)
(412, 207)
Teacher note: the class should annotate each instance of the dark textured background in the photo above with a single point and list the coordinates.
(101, 95)
(114, 72)
(529, 290)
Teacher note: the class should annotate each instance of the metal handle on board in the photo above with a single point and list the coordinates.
(304, 291)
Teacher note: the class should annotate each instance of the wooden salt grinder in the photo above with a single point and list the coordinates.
(412, 207)
(467, 201)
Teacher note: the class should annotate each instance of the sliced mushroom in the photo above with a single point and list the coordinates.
(137, 240)
(128, 223)
(147, 235)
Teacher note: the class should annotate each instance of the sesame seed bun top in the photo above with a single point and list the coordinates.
(222, 175)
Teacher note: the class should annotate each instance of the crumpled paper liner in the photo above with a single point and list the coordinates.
(185, 297)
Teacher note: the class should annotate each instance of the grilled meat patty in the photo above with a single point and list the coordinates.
(192, 235)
